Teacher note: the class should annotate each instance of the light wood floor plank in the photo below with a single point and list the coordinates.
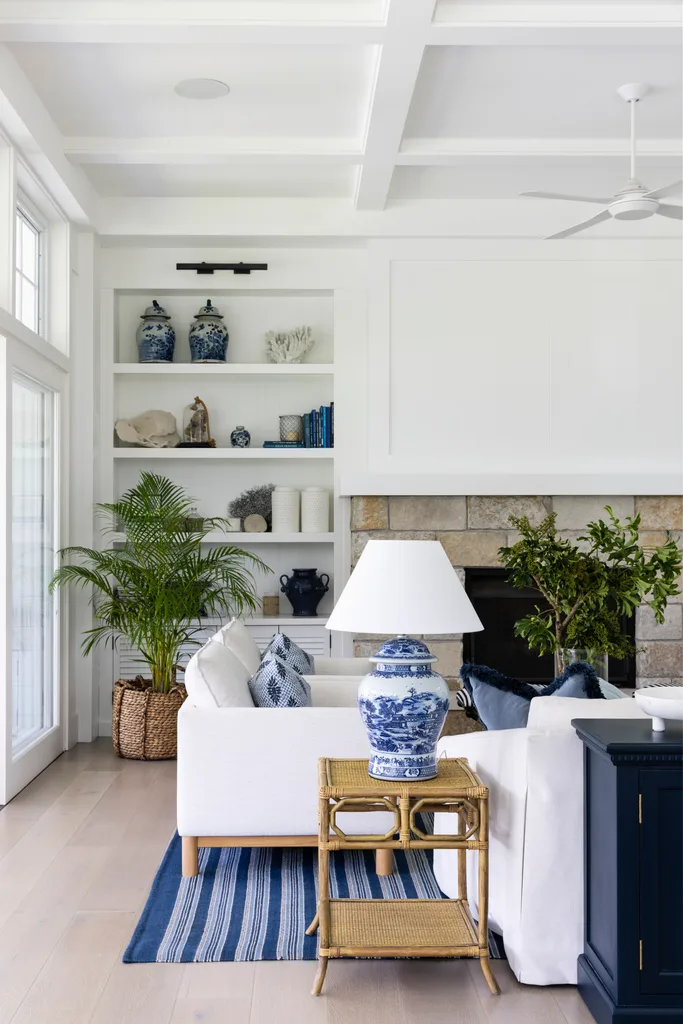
(139, 994)
(362, 991)
(517, 1004)
(71, 983)
(106, 823)
(124, 881)
(439, 992)
(572, 1005)
(21, 868)
(30, 935)
(216, 981)
(284, 988)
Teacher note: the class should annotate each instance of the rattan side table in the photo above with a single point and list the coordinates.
(397, 927)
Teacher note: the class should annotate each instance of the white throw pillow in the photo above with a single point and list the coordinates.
(215, 677)
(237, 638)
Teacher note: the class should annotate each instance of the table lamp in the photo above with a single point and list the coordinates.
(403, 587)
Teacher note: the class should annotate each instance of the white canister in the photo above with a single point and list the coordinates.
(315, 510)
(285, 510)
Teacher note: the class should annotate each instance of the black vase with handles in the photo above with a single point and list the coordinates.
(304, 589)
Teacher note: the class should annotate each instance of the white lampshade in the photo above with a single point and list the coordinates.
(404, 586)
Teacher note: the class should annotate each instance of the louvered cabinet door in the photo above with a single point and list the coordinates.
(313, 639)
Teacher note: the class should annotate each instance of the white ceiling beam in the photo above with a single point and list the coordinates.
(395, 77)
(176, 21)
(37, 139)
(480, 22)
(452, 152)
(213, 150)
(202, 219)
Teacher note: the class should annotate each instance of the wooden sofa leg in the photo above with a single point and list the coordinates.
(190, 856)
(384, 862)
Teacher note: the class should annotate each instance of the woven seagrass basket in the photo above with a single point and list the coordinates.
(145, 723)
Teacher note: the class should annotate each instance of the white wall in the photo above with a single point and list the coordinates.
(517, 367)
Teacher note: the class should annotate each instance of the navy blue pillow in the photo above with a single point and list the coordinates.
(502, 702)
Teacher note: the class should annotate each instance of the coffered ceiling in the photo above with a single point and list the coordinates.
(373, 102)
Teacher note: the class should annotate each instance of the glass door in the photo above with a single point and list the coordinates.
(32, 736)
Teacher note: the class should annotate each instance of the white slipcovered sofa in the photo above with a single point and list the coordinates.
(535, 779)
(248, 776)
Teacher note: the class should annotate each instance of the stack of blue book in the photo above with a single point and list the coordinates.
(319, 427)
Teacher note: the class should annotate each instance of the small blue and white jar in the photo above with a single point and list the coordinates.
(403, 704)
(208, 336)
(240, 438)
(155, 336)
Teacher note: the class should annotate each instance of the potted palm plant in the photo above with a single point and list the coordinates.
(152, 589)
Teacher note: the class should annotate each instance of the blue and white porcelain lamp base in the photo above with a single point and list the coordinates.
(403, 704)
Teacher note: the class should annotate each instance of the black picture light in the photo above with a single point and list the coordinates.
(208, 268)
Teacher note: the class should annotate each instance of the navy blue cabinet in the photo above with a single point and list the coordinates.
(631, 969)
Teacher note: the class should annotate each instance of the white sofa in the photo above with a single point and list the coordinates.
(535, 778)
(248, 776)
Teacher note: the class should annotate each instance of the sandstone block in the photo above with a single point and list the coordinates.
(369, 513)
(493, 512)
(473, 547)
(574, 512)
(663, 512)
(427, 513)
(449, 653)
(661, 659)
(670, 629)
(360, 539)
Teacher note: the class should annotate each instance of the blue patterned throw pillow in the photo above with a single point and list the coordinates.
(291, 654)
(502, 702)
(277, 685)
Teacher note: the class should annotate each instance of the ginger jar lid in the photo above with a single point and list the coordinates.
(209, 310)
(403, 649)
(156, 311)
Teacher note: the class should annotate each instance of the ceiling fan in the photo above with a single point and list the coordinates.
(633, 201)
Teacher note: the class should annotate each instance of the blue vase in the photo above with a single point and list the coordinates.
(403, 705)
(240, 438)
(208, 336)
(155, 336)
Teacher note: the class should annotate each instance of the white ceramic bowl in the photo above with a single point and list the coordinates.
(661, 702)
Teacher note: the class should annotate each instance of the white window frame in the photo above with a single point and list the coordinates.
(26, 211)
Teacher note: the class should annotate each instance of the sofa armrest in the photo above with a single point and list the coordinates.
(254, 771)
(342, 666)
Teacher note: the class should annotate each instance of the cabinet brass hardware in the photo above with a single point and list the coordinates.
(641, 953)
(640, 808)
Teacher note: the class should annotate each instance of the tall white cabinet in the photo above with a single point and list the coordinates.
(247, 390)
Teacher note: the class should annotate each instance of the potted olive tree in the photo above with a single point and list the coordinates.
(153, 588)
(587, 591)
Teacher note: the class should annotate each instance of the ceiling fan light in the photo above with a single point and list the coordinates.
(633, 207)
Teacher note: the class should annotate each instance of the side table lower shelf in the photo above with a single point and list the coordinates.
(401, 928)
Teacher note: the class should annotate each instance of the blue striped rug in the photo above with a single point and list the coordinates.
(256, 903)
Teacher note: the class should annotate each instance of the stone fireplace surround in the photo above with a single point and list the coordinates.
(472, 529)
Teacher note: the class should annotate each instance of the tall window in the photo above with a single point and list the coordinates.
(34, 530)
(28, 274)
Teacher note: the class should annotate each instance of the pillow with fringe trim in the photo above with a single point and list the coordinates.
(502, 702)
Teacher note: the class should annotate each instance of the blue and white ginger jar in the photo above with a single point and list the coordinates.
(208, 336)
(240, 437)
(155, 336)
(403, 704)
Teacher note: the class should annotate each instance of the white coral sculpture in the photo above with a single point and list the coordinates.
(289, 346)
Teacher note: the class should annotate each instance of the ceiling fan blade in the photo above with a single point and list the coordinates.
(666, 190)
(599, 217)
(572, 199)
(666, 210)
